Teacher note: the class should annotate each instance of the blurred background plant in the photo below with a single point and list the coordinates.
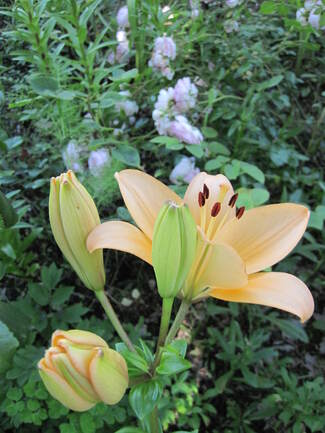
(80, 81)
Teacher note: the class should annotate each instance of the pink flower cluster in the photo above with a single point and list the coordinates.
(184, 171)
(121, 54)
(169, 110)
(97, 160)
(164, 51)
(311, 14)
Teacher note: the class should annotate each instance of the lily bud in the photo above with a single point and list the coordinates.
(80, 370)
(73, 215)
(173, 248)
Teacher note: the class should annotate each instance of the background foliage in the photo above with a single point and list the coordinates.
(261, 111)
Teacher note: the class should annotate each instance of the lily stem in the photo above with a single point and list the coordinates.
(109, 310)
(164, 325)
(165, 319)
(154, 421)
(180, 316)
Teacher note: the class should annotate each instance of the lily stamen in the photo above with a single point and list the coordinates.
(206, 191)
(214, 212)
(233, 200)
(201, 199)
(215, 209)
(240, 212)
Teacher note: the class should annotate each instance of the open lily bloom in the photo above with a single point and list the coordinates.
(233, 246)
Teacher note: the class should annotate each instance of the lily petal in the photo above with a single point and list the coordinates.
(265, 235)
(109, 375)
(78, 337)
(220, 265)
(220, 190)
(144, 196)
(62, 391)
(273, 289)
(122, 236)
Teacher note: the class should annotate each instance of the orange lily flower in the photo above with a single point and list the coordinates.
(233, 246)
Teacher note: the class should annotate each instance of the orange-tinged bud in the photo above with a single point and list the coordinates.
(80, 370)
(73, 215)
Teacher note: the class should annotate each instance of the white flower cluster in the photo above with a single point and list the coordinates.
(233, 3)
(122, 49)
(98, 159)
(127, 106)
(311, 13)
(171, 105)
(164, 51)
(71, 156)
(184, 171)
(195, 7)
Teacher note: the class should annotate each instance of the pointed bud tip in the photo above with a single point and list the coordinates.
(100, 352)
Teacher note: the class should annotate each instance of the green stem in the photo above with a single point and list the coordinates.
(164, 321)
(164, 325)
(180, 316)
(107, 306)
(154, 421)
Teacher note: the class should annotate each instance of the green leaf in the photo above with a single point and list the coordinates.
(9, 313)
(7, 213)
(291, 328)
(195, 150)
(170, 142)
(256, 381)
(39, 293)
(317, 218)
(87, 423)
(8, 346)
(127, 154)
(222, 381)
(66, 95)
(272, 82)
(51, 276)
(268, 7)
(215, 164)
(280, 157)
(129, 430)
(209, 132)
(61, 295)
(14, 142)
(216, 147)
(252, 171)
(87, 13)
(124, 76)
(144, 397)
(172, 359)
(72, 313)
(44, 85)
(251, 198)
(136, 361)
(232, 170)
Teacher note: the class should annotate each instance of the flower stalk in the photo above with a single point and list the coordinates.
(109, 310)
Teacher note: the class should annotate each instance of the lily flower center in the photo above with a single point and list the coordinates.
(214, 214)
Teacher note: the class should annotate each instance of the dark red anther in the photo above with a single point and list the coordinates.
(233, 200)
(201, 199)
(206, 191)
(240, 212)
(215, 209)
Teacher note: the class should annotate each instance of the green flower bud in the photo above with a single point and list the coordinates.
(173, 248)
(73, 215)
(80, 370)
